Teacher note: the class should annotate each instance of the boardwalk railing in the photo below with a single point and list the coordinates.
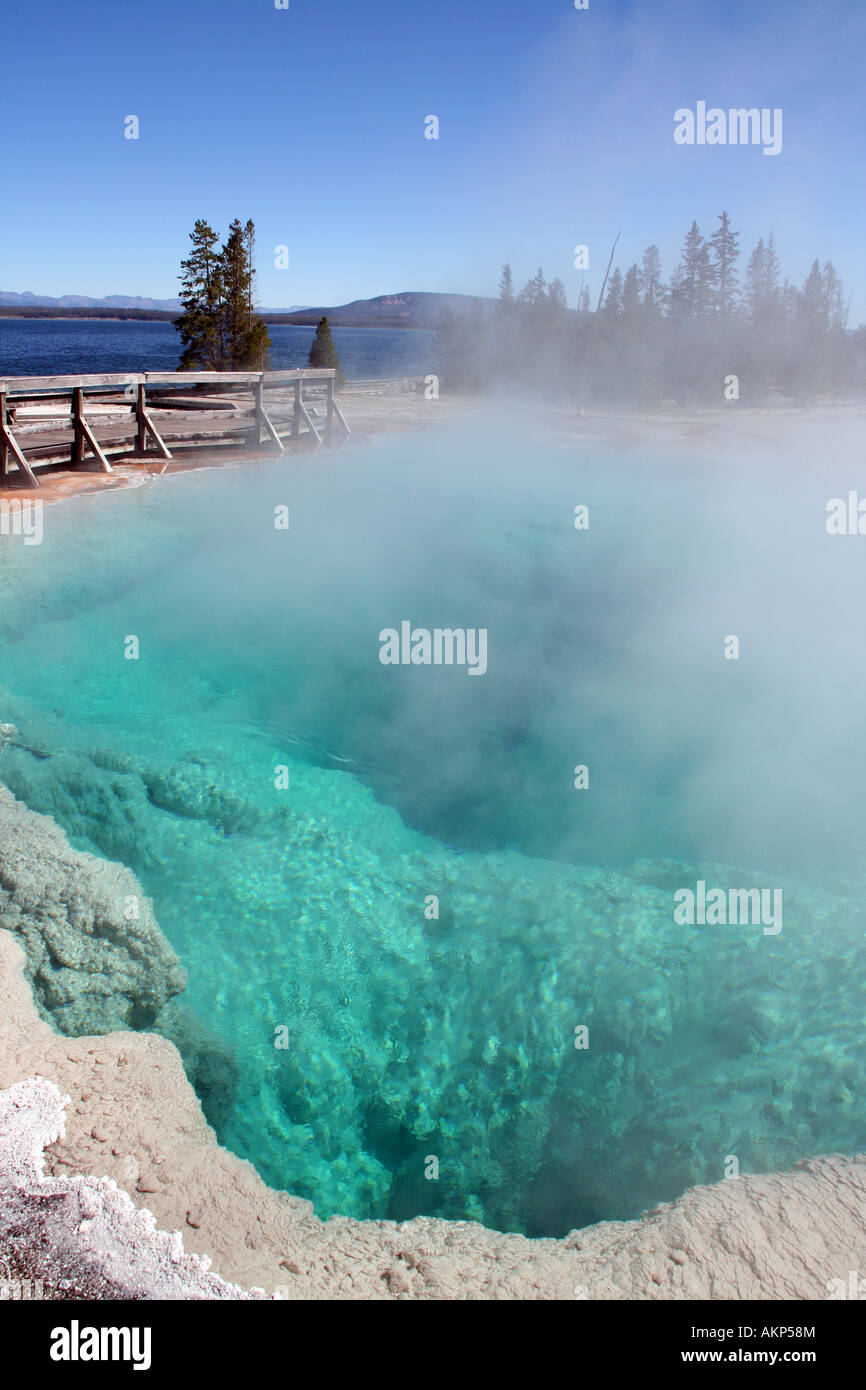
(54, 418)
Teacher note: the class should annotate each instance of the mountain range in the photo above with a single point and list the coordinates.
(408, 309)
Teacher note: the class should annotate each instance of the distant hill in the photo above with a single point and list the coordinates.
(10, 299)
(409, 309)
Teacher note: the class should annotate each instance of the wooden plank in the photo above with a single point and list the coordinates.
(179, 378)
(21, 385)
(322, 374)
(36, 413)
(4, 447)
(18, 385)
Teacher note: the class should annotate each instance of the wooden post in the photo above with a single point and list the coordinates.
(146, 427)
(77, 425)
(4, 447)
(84, 432)
(304, 414)
(141, 417)
(330, 418)
(259, 412)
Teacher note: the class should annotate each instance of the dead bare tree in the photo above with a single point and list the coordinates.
(607, 272)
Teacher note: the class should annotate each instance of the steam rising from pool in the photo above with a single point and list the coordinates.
(303, 913)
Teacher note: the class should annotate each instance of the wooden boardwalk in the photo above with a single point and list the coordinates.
(86, 420)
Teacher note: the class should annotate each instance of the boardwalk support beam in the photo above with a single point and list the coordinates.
(83, 433)
(263, 419)
(147, 427)
(7, 442)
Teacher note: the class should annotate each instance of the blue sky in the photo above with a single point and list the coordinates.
(556, 128)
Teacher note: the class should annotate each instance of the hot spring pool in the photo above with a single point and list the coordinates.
(304, 913)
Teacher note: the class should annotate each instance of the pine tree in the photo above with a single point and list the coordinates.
(258, 343)
(724, 247)
(771, 273)
(834, 299)
(694, 282)
(534, 292)
(612, 308)
(631, 296)
(219, 327)
(812, 311)
(651, 281)
(756, 278)
(323, 354)
(236, 281)
(201, 294)
(556, 295)
(506, 287)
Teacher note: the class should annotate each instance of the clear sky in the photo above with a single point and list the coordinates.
(556, 128)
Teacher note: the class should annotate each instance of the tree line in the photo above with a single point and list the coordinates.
(648, 340)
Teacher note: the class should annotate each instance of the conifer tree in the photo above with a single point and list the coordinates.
(557, 297)
(613, 300)
(724, 246)
(219, 328)
(651, 281)
(201, 295)
(631, 296)
(534, 292)
(692, 288)
(324, 354)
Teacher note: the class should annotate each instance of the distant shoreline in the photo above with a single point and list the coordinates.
(161, 316)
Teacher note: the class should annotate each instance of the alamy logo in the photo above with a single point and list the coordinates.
(736, 126)
(21, 517)
(444, 646)
(76, 1343)
(846, 518)
(736, 907)
(854, 1289)
(18, 1289)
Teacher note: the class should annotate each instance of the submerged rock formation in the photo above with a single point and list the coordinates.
(96, 958)
(134, 1136)
(133, 1117)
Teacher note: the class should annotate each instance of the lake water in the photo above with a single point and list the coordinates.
(414, 1032)
(55, 347)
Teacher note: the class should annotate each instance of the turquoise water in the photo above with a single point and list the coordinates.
(304, 908)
